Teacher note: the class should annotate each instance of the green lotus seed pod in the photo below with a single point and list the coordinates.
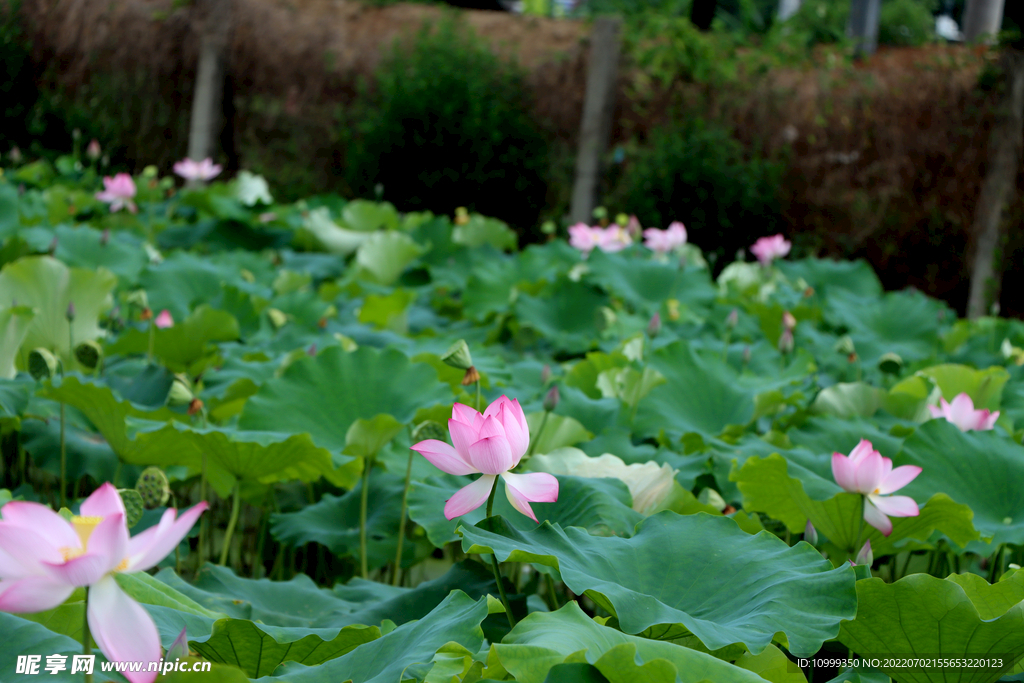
(713, 498)
(138, 299)
(153, 487)
(277, 318)
(89, 353)
(42, 364)
(458, 356)
(133, 506)
(180, 394)
(890, 363)
(845, 345)
(429, 430)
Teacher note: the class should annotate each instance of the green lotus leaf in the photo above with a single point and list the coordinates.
(544, 640)
(985, 387)
(827, 276)
(559, 431)
(646, 283)
(724, 595)
(185, 347)
(565, 313)
(480, 231)
(602, 506)
(326, 394)
(15, 323)
(184, 280)
(48, 286)
(9, 221)
(120, 251)
(384, 255)
(768, 487)
(979, 469)
(922, 616)
(22, 636)
(456, 620)
(367, 216)
(855, 399)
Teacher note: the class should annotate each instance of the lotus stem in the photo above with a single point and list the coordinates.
(232, 521)
(401, 525)
(152, 342)
(997, 561)
(860, 529)
(363, 565)
(490, 498)
(202, 520)
(63, 459)
(86, 636)
(478, 396)
(540, 432)
(501, 591)
(552, 596)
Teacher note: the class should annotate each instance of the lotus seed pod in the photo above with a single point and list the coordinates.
(890, 363)
(713, 498)
(133, 506)
(180, 393)
(845, 345)
(429, 430)
(138, 299)
(42, 364)
(88, 354)
(458, 356)
(153, 487)
(277, 318)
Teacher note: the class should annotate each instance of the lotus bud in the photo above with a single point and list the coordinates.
(788, 321)
(551, 399)
(133, 506)
(277, 318)
(810, 533)
(42, 364)
(890, 363)
(52, 249)
(461, 216)
(105, 237)
(429, 429)
(844, 345)
(545, 374)
(15, 155)
(178, 649)
(865, 556)
(93, 150)
(654, 327)
(713, 498)
(746, 355)
(153, 487)
(472, 376)
(786, 343)
(733, 320)
(180, 393)
(164, 320)
(673, 309)
(457, 356)
(311, 351)
(76, 134)
(195, 407)
(88, 354)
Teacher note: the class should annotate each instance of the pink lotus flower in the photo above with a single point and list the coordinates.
(491, 444)
(615, 238)
(767, 249)
(865, 471)
(164, 320)
(197, 170)
(961, 412)
(118, 192)
(584, 237)
(44, 557)
(664, 241)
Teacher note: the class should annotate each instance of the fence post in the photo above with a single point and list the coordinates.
(598, 109)
(863, 26)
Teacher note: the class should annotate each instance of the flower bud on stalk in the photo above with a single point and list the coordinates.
(865, 556)
(733, 319)
(654, 327)
(810, 533)
(458, 356)
(551, 399)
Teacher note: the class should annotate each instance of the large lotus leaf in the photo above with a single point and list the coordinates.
(184, 280)
(827, 276)
(366, 216)
(546, 639)
(985, 387)
(24, 637)
(9, 221)
(921, 616)
(717, 587)
(457, 620)
(980, 469)
(384, 255)
(772, 665)
(15, 323)
(645, 283)
(480, 230)
(86, 453)
(829, 434)
(767, 487)
(904, 323)
(856, 399)
(333, 521)
(185, 346)
(566, 314)
(326, 394)
(602, 506)
(701, 395)
(47, 285)
(120, 252)
(559, 431)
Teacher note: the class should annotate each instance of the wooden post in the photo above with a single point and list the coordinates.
(1006, 142)
(598, 109)
(863, 26)
(983, 19)
(206, 105)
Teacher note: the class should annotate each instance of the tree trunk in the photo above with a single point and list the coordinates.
(1006, 142)
(788, 8)
(863, 26)
(214, 32)
(702, 13)
(982, 18)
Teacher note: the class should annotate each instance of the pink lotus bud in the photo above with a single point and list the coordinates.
(654, 327)
(93, 150)
(311, 351)
(164, 320)
(105, 237)
(788, 321)
(786, 341)
(810, 533)
(70, 313)
(865, 556)
(733, 320)
(551, 399)
(15, 155)
(545, 374)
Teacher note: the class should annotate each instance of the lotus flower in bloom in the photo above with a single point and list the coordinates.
(44, 557)
(664, 241)
(490, 444)
(197, 170)
(118, 192)
(164, 320)
(961, 412)
(767, 249)
(865, 471)
(615, 238)
(584, 237)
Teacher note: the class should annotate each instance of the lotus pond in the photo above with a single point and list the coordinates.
(349, 444)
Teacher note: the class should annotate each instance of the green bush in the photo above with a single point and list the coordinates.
(696, 173)
(906, 23)
(449, 125)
